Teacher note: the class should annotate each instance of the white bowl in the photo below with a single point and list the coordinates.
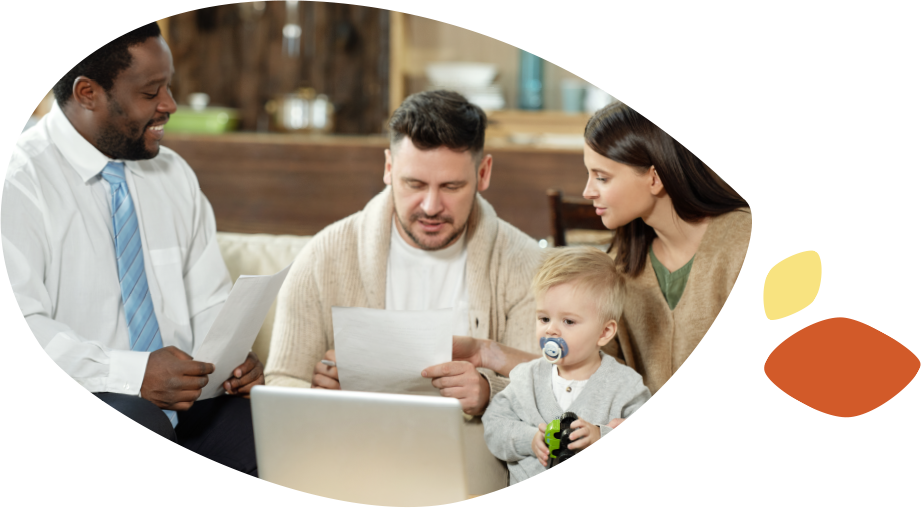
(461, 73)
(488, 102)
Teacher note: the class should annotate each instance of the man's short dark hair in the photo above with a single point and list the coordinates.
(104, 64)
(440, 118)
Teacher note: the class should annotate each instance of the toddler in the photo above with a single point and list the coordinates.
(579, 299)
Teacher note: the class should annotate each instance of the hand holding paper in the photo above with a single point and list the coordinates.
(325, 373)
(460, 380)
(232, 335)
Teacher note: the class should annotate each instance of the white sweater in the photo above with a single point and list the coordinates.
(345, 265)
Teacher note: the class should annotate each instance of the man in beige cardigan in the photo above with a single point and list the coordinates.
(429, 240)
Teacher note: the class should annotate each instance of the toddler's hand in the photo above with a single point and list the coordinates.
(539, 447)
(584, 435)
(615, 422)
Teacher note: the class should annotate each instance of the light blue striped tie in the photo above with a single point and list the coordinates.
(143, 329)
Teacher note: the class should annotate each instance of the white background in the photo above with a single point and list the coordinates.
(836, 166)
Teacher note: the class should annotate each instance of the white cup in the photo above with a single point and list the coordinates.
(199, 101)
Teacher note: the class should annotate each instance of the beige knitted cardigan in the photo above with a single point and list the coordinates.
(655, 340)
(345, 265)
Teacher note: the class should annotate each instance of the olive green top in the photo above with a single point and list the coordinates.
(671, 283)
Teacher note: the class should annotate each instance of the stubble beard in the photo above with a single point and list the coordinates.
(113, 141)
(443, 218)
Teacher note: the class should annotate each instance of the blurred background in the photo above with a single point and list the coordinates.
(283, 109)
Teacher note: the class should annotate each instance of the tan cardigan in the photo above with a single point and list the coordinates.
(655, 340)
(346, 265)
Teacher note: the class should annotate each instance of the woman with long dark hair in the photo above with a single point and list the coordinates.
(680, 236)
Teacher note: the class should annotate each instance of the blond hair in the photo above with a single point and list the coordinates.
(589, 269)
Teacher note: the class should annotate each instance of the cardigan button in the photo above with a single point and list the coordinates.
(568, 388)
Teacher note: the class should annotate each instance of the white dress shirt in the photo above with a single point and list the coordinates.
(56, 226)
(420, 279)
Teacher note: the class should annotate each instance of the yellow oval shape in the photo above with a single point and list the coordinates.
(792, 284)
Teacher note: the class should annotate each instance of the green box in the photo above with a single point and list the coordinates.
(205, 121)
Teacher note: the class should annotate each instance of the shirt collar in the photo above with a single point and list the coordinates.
(86, 160)
(557, 378)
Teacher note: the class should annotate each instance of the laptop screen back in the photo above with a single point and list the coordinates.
(383, 449)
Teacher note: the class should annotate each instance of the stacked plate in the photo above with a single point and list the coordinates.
(472, 80)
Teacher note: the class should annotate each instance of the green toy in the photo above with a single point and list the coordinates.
(557, 438)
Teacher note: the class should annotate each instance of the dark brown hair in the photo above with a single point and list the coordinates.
(440, 118)
(623, 135)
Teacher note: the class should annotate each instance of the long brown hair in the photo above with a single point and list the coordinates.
(623, 135)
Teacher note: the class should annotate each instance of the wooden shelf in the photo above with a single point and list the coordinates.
(509, 123)
(493, 142)
(278, 138)
(416, 42)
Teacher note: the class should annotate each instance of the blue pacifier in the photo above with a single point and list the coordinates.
(554, 348)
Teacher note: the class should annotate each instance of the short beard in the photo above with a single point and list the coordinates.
(114, 143)
(415, 216)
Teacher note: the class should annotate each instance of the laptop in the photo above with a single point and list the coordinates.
(371, 448)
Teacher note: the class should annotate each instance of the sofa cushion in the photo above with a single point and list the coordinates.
(246, 254)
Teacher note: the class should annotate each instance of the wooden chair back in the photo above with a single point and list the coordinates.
(570, 213)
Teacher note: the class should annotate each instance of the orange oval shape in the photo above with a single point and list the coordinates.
(841, 367)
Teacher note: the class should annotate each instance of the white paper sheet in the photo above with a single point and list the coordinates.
(386, 350)
(234, 330)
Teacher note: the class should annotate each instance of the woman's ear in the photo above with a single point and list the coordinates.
(656, 186)
(607, 333)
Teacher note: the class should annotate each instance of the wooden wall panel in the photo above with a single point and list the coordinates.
(300, 184)
(234, 54)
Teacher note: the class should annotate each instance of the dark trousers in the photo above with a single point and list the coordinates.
(220, 429)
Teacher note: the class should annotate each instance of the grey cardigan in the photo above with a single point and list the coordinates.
(511, 420)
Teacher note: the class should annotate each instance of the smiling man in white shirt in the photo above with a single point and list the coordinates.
(110, 248)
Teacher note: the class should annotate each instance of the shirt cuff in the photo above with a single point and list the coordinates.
(126, 371)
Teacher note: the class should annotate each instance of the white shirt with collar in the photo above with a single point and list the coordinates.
(565, 391)
(56, 227)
